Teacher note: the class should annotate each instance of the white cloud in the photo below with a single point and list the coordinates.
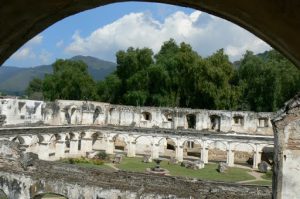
(36, 40)
(31, 52)
(23, 54)
(204, 32)
(45, 57)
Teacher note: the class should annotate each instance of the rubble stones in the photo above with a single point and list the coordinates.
(147, 158)
(28, 159)
(222, 167)
(263, 167)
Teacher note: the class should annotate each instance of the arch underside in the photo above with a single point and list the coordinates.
(276, 22)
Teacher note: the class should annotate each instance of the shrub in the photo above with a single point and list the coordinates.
(102, 155)
(71, 161)
(97, 162)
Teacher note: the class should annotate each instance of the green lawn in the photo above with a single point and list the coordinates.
(268, 175)
(208, 173)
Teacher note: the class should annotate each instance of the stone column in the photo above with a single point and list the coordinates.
(204, 154)
(154, 151)
(43, 151)
(179, 153)
(256, 159)
(74, 148)
(230, 158)
(110, 147)
(60, 149)
(131, 149)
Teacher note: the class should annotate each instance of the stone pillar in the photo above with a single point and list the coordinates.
(230, 158)
(43, 151)
(204, 154)
(60, 149)
(286, 172)
(256, 159)
(154, 151)
(179, 153)
(74, 148)
(110, 147)
(131, 149)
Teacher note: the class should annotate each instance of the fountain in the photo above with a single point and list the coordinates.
(157, 169)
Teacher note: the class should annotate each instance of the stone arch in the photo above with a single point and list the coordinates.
(168, 117)
(49, 195)
(96, 114)
(217, 151)
(33, 144)
(262, 20)
(19, 139)
(73, 115)
(244, 153)
(52, 144)
(192, 147)
(143, 144)
(120, 142)
(267, 154)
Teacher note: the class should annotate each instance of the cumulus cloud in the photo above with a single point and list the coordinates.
(36, 40)
(23, 54)
(204, 32)
(31, 52)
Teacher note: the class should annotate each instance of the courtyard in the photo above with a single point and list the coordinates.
(238, 174)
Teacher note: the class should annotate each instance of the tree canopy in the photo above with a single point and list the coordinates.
(177, 76)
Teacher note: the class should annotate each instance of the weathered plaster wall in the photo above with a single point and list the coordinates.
(67, 112)
(286, 124)
(53, 143)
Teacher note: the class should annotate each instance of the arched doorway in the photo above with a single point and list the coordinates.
(217, 152)
(192, 149)
(244, 154)
(120, 145)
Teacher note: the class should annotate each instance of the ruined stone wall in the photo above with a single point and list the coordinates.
(68, 112)
(286, 124)
(16, 111)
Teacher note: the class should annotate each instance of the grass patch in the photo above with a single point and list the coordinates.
(268, 175)
(208, 173)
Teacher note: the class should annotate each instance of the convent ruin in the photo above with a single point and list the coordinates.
(64, 129)
(212, 135)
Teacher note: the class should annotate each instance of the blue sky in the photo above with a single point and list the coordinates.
(102, 31)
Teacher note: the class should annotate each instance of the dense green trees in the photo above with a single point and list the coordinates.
(178, 77)
(70, 80)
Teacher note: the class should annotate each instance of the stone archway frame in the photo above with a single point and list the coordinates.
(276, 22)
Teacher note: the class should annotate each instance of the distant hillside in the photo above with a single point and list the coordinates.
(14, 80)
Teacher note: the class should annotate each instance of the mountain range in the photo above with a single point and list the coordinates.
(14, 80)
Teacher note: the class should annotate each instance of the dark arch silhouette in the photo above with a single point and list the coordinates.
(276, 22)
